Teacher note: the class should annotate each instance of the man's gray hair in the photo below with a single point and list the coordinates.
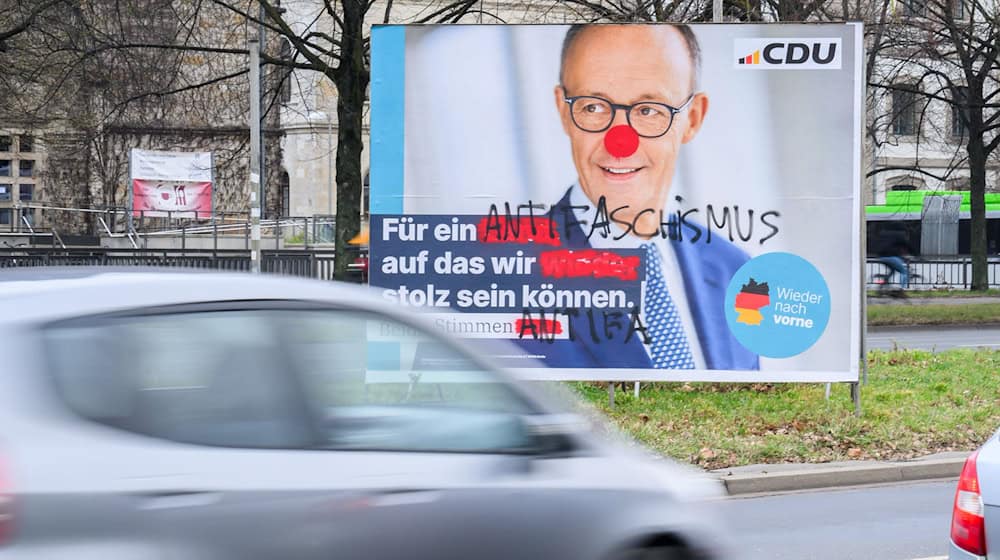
(694, 49)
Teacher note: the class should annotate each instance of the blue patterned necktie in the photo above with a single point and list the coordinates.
(669, 348)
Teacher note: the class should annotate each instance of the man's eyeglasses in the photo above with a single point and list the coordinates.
(648, 118)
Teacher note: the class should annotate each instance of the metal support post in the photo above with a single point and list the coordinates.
(856, 398)
(259, 99)
(254, 185)
(611, 395)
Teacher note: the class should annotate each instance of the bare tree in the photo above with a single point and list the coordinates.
(153, 72)
(18, 16)
(945, 54)
(701, 10)
(90, 64)
(336, 43)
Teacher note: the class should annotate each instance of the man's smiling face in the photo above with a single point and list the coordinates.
(626, 65)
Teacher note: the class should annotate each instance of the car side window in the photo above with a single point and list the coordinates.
(213, 378)
(380, 384)
(286, 378)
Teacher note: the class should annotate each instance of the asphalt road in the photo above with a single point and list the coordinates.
(933, 338)
(897, 522)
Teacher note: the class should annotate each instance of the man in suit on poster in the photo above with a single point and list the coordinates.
(628, 100)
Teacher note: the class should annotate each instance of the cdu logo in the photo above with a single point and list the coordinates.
(788, 54)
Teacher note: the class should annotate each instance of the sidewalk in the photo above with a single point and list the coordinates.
(915, 299)
(755, 479)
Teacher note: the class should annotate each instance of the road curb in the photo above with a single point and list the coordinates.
(947, 326)
(785, 478)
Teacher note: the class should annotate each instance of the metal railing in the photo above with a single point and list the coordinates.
(309, 264)
(930, 274)
(319, 263)
(138, 228)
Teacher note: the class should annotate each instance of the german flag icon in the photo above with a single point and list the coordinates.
(753, 58)
(751, 298)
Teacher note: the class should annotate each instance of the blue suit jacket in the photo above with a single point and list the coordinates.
(706, 269)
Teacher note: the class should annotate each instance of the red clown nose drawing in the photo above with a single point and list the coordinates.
(621, 141)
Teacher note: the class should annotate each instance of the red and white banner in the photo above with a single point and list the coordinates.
(174, 184)
(172, 198)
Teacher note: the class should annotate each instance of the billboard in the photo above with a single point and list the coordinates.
(626, 202)
(171, 183)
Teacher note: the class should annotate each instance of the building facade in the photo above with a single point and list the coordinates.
(68, 155)
(73, 114)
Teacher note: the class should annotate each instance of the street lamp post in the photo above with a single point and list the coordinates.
(329, 166)
(255, 151)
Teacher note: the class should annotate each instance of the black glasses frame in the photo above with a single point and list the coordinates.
(615, 107)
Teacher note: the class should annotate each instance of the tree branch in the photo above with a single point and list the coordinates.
(26, 23)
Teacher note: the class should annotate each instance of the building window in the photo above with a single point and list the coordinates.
(914, 8)
(904, 188)
(4, 168)
(957, 184)
(959, 111)
(27, 168)
(26, 143)
(4, 216)
(286, 206)
(286, 88)
(286, 73)
(4, 143)
(958, 9)
(6, 190)
(904, 110)
(26, 192)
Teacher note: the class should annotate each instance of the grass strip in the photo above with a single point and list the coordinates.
(915, 403)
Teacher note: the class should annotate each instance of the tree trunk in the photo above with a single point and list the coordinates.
(351, 78)
(977, 207)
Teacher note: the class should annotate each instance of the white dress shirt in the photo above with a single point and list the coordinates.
(671, 273)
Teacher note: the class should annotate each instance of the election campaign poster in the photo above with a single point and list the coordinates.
(625, 202)
(175, 184)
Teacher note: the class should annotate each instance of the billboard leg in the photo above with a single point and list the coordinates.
(637, 389)
(611, 395)
(826, 393)
(856, 397)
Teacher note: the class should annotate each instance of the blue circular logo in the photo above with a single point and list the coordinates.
(777, 305)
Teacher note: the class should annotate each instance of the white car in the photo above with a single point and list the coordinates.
(160, 415)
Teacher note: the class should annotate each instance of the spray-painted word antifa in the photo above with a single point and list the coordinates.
(679, 225)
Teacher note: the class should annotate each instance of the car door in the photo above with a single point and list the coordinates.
(432, 445)
(210, 410)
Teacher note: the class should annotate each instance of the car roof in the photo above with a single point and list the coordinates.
(45, 294)
(67, 272)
